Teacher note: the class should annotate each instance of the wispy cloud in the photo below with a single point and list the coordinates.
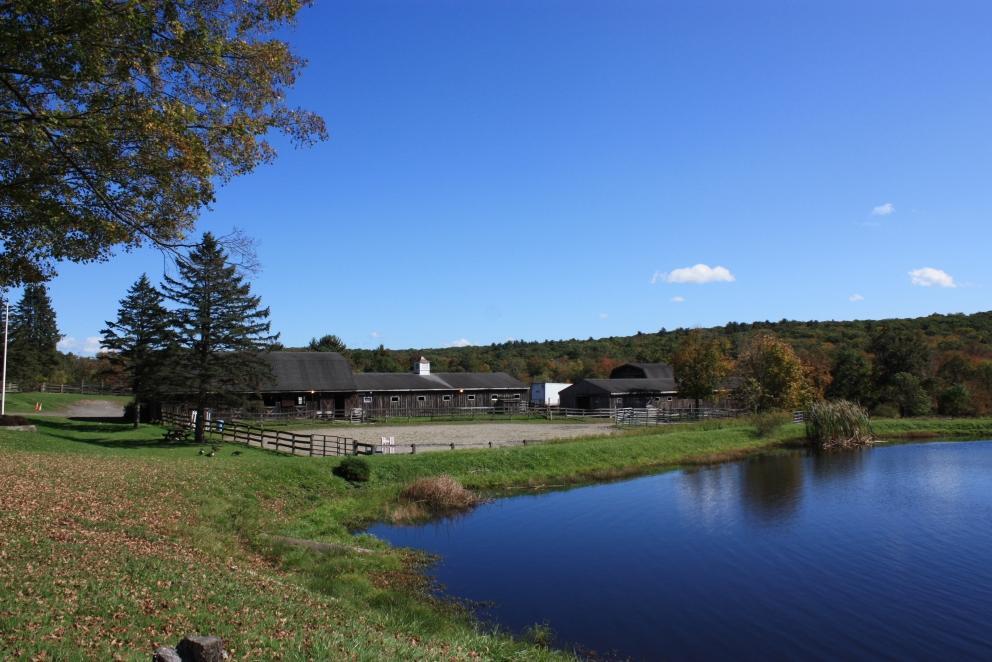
(461, 342)
(678, 299)
(86, 347)
(604, 316)
(698, 274)
(883, 209)
(375, 334)
(855, 297)
(930, 277)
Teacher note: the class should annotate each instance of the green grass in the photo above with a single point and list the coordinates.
(23, 403)
(115, 542)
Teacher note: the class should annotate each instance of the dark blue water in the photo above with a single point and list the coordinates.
(885, 552)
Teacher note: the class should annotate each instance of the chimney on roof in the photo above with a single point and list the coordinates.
(422, 367)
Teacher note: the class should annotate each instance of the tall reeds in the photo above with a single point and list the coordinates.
(838, 424)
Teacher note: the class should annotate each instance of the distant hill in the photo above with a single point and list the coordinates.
(570, 360)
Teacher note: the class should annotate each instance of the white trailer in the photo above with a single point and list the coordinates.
(545, 394)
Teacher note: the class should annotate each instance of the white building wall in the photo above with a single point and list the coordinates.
(546, 393)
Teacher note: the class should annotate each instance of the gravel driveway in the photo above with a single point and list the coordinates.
(434, 437)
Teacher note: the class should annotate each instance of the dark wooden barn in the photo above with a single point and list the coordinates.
(324, 382)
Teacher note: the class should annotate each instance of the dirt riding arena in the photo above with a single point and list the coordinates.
(440, 436)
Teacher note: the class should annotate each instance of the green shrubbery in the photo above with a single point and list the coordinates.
(837, 424)
(353, 470)
(767, 422)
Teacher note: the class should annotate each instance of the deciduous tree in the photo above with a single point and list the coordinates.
(771, 374)
(701, 364)
(118, 118)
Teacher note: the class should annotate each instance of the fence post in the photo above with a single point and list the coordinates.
(413, 448)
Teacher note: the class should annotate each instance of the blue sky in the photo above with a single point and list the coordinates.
(541, 169)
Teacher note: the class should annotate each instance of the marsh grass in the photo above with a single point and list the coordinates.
(838, 424)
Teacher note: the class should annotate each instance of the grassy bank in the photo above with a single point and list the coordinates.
(115, 543)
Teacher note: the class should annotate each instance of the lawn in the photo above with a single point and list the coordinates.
(23, 403)
(115, 542)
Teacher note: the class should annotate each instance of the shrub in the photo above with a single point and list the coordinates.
(766, 423)
(955, 401)
(886, 410)
(439, 494)
(353, 470)
(838, 424)
(13, 419)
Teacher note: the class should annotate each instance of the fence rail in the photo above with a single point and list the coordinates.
(652, 416)
(313, 445)
(380, 415)
(81, 388)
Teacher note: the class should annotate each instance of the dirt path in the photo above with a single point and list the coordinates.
(440, 436)
(88, 409)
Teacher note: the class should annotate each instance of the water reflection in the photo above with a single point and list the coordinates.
(771, 487)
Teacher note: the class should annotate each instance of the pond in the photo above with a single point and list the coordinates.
(883, 552)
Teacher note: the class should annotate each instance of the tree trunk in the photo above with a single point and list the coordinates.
(137, 413)
(201, 414)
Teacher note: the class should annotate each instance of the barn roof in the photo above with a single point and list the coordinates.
(627, 385)
(644, 370)
(308, 371)
(438, 381)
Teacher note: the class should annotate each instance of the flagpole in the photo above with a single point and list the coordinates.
(3, 380)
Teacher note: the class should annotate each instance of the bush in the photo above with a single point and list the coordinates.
(439, 494)
(886, 410)
(766, 423)
(353, 470)
(838, 424)
(13, 419)
(955, 401)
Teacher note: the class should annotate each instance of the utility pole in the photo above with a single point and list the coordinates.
(3, 379)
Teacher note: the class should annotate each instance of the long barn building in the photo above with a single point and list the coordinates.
(324, 382)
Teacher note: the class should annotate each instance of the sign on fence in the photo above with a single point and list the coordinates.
(387, 445)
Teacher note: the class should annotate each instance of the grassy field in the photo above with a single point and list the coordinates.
(115, 543)
(23, 403)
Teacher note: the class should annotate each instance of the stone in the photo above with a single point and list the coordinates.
(201, 648)
(166, 654)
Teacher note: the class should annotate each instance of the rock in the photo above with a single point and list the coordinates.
(166, 654)
(201, 648)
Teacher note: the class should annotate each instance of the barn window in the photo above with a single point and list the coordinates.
(299, 400)
(470, 398)
(367, 399)
(516, 396)
(445, 398)
(669, 398)
(394, 399)
(495, 398)
(421, 398)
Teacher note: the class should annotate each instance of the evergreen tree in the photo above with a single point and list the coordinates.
(142, 342)
(34, 335)
(221, 328)
(852, 377)
(328, 343)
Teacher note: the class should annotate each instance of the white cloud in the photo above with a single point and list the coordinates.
(883, 210)
(678, 299)
(699, 274)
(86, 347)
(604, 316)
(855, 297)
(461, 342)
(930, 277)
(375, 334)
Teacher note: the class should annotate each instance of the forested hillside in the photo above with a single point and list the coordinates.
(950, 356)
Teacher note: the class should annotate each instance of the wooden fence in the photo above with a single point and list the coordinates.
(313, 445)
(521, 412)
(81, 388)
(654, 416)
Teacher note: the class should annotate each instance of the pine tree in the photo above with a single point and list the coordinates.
(221, 328)
(34, 335)
(142, 343)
